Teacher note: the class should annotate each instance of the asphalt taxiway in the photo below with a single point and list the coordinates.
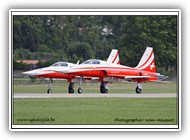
(97, 95)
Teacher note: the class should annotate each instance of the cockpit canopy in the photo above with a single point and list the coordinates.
(60, 64)
(92, 61)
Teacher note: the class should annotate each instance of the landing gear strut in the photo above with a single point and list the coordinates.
(104, 87)
(49, 91)
(71, 87)
(80, 85)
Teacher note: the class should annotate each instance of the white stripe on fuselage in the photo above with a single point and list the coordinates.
(96, 67)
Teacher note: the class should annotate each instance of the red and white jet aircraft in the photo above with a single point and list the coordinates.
(145, 71)
(50, 72)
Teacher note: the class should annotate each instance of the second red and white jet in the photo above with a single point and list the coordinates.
(145, 71)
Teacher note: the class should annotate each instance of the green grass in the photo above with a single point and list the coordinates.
(60, 86)
(94, 111)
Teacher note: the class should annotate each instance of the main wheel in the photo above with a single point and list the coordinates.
(138, 90)
(103, 88)
(79, 90)
(71, 88)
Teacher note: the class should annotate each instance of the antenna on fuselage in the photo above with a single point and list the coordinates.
(78, 62)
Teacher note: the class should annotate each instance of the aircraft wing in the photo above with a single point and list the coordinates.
(128, 77)
(137, 77)
(158, 81)
(85, 79)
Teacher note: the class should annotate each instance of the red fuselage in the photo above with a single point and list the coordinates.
(117, 71)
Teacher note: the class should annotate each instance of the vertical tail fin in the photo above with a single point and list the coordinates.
(114, 57)
(147, 62)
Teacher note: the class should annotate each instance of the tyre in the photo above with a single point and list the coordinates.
(138, 90)
(103, 88)
(71, 90)
(106, 90)
(79, 90)
(71, 85)
(49, 91)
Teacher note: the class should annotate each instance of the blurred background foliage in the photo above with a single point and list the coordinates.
(71, 38)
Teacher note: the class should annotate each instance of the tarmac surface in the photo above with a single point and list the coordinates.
(96, 95)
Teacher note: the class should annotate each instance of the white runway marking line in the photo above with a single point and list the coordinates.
(98, 95)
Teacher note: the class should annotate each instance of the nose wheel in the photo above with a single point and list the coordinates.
(138, 88)
(79, 90)
(49, 91)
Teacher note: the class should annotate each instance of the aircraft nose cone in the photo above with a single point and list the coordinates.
(30, 73)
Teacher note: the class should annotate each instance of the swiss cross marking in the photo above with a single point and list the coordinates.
(152, 66)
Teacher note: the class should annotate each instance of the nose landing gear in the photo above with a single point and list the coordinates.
(49, 91)
(79, 90)
(139, 88)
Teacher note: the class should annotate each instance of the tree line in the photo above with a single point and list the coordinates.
(72, 38)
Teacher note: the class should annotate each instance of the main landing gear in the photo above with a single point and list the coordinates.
(104, 87)
(71, 87)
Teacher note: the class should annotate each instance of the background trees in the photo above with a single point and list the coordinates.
(73, 38)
